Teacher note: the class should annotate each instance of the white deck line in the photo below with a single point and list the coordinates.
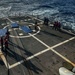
(48, 49)
(39, 40)
(63, 57)
(16, 64)
(27, 35)
(54, 45)
(53, 49)
(45, 50)
(39, 53)
(10, 20)
(21, 29)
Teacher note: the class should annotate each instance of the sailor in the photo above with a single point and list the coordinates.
(55, 25)
(36, 26)
(46, 21)
(59, 25)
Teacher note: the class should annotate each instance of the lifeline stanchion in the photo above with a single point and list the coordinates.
(8, 72)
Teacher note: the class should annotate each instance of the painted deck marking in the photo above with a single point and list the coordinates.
(10, 20)
(54, 47)
(16, 64)
(39, 53)
(48, 49)
(39, 40)
(21, 29)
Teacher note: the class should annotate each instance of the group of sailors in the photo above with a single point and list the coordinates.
(56, 24)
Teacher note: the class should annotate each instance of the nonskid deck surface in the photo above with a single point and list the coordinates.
(44, 51)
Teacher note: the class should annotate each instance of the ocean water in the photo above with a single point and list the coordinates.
(61, 10)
